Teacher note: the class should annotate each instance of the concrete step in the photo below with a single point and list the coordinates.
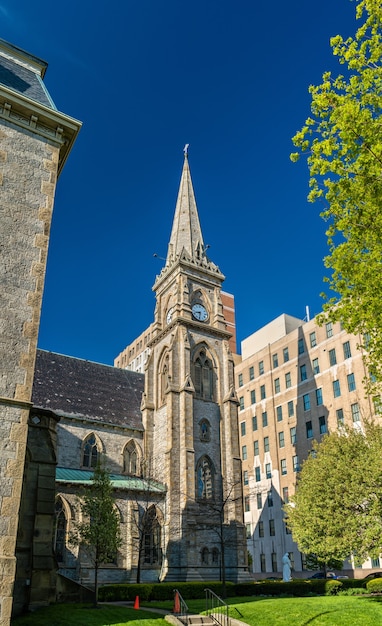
(200, 620)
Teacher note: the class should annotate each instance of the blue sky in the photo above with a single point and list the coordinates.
(145, 77)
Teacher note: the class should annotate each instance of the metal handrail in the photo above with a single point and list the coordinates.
(182, 610)
(216, 608)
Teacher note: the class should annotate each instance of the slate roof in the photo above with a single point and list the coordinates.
(77, 388)
(22, 79)
(118, 481)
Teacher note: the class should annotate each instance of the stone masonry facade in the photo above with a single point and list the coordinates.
(31, 147)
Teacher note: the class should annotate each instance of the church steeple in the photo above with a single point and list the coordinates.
(186, 235)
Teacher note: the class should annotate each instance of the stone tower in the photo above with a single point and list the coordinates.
(190, 409)
(35, 140)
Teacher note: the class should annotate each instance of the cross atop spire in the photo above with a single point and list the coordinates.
(186, 233)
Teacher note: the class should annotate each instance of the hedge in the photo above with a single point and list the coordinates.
(374, 585)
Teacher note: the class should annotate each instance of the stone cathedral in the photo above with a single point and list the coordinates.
(189, 407)
(168, 436)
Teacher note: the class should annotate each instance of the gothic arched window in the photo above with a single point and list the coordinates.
(60, 531)
(164, 378)
(131, 459)
(204, 430)
(204, 479)
(203, 376)
(90, 452)
(205, 555)
(151, 537)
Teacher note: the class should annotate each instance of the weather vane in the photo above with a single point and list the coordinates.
(185, 149)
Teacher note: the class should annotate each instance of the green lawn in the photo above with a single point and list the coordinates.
(312, 611)
(82, 615)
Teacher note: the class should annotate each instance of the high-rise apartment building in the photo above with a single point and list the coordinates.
(296, 382)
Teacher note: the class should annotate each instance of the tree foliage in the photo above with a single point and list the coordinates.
(337, 508)
(99, 531)
(343, 143)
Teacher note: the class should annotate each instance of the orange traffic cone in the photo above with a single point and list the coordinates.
(136, 603)
(176, 608)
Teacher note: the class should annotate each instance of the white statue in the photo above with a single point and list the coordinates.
(286, 567)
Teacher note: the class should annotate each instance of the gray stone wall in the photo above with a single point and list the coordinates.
(28, 169)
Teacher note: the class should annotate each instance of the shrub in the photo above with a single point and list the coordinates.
(352, 591)
(332, 587)
(374, 585)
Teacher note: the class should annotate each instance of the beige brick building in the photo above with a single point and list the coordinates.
(296, 381)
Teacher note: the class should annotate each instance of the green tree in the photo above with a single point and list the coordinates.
(337, 508)
(99, 532)
(343, 143)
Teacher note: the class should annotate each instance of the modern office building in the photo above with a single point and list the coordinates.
(296, 382)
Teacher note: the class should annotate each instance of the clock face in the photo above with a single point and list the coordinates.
(169, 315)
(199, 312)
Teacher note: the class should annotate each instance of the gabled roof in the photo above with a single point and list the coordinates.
(23, 73)
(118, 481)
(77, 388)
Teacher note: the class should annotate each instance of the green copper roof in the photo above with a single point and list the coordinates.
(118, 481)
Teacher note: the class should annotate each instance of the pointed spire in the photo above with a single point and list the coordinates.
(186, 233)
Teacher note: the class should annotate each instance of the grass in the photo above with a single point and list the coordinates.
(83, 615)
(311, 611)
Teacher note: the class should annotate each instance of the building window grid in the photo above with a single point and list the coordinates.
(332, 357)
(315, 366)
(241, 403)
(275, 360)
(272, 529)
(268, 470)
(256, 447)
(313, 339)
(293, 435)
(262, 392)
(322, 425)
(340, 417)
(257, 474)
(240, 380)
(254, 423)
(290, 408)
(301, 346)
(277, 385)
(279, 413)
(261, 368)
(319, 398)
(242, 428)
(288, 380)
(266, 444)
(336, 388)
(264, 417)
(283, 466)
(355, 412)
(303, 372)
(244, 453)
(259, 501)
(281, 439)
(347, 350)
(286, 355)
(306, 402)
(329, 330)
(251, 373)
(309, 430)
(351, 382)
(253, 396)
(295, 462)
(286, 495)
